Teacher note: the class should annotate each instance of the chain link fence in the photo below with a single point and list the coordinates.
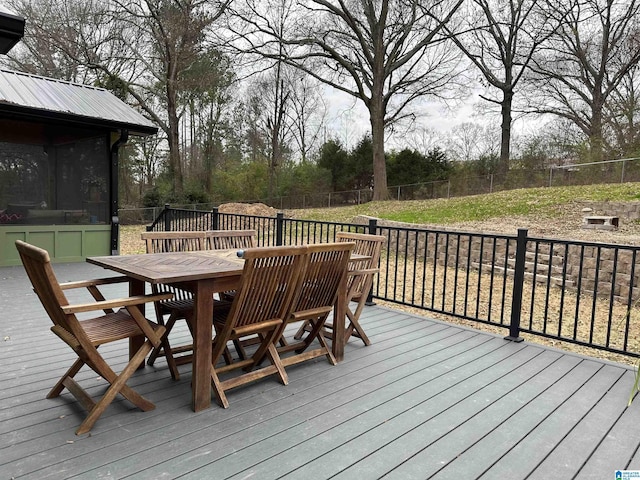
(611, 171)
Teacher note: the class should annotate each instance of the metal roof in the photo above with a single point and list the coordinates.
(26, 95)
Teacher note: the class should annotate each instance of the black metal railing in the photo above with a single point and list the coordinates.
(584, 293)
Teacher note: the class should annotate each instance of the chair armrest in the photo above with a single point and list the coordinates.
(359, 281)
(93, 283)
(312, 313)
(364, 271)
(118, 302)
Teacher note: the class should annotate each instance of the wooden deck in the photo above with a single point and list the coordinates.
(425, 400)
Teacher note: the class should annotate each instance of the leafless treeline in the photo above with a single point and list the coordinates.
(245, 81)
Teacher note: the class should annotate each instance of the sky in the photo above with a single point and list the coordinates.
(348, 119)
(5, 8)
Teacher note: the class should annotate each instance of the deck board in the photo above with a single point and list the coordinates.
(426, 400)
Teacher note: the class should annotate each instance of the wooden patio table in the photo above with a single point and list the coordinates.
(203, 273)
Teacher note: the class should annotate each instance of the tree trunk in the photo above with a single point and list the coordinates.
(595, 135)
(376, 114)
(175, 163)
(505, 140)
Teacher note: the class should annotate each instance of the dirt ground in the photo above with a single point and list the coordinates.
(258, 209)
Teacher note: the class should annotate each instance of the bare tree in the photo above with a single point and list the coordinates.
(58, 34)
(175, 32)
(386, 53)
(138, 168)
(206, 87)
(422, 139)
(469, 141)
(307, 114)
(276, 121)
(500, 38)
(622, 116)
(585, 62)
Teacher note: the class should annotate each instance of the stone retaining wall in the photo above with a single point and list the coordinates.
(628, 211)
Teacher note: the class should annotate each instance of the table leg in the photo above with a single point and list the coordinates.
(202, 333)
(339, 314)
(136, 287)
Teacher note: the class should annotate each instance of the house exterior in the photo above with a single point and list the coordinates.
(59, 144)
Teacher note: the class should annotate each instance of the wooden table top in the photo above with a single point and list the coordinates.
(174, 266)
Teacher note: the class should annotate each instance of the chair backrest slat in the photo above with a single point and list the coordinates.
(366, 244)
(226, 239)
(326, 270)
(188, 241)
(177, 241)
(269, 283)
(37, 264)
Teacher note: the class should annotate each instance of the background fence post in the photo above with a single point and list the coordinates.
(518, 282)
(167, 217)
(149, 227)
(279, 228)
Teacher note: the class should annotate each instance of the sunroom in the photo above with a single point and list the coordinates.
(59, 145)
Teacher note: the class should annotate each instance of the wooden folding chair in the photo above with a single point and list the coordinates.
(359, 283)
(318, 288)
(360, 279)
(180, 306)
(229, 239)
(269, 284)
(85, 336)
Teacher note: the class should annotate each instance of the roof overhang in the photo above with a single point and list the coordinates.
(34, 114)
(11, 31)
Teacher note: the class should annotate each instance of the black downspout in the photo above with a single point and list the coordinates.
(115, 221)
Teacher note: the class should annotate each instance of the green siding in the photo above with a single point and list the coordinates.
(65, 243)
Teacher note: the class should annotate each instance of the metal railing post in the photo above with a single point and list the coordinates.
(373, 226)
(373, 229)
(215, 219)
(167, 217)
(518, 282)
(279, 228)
